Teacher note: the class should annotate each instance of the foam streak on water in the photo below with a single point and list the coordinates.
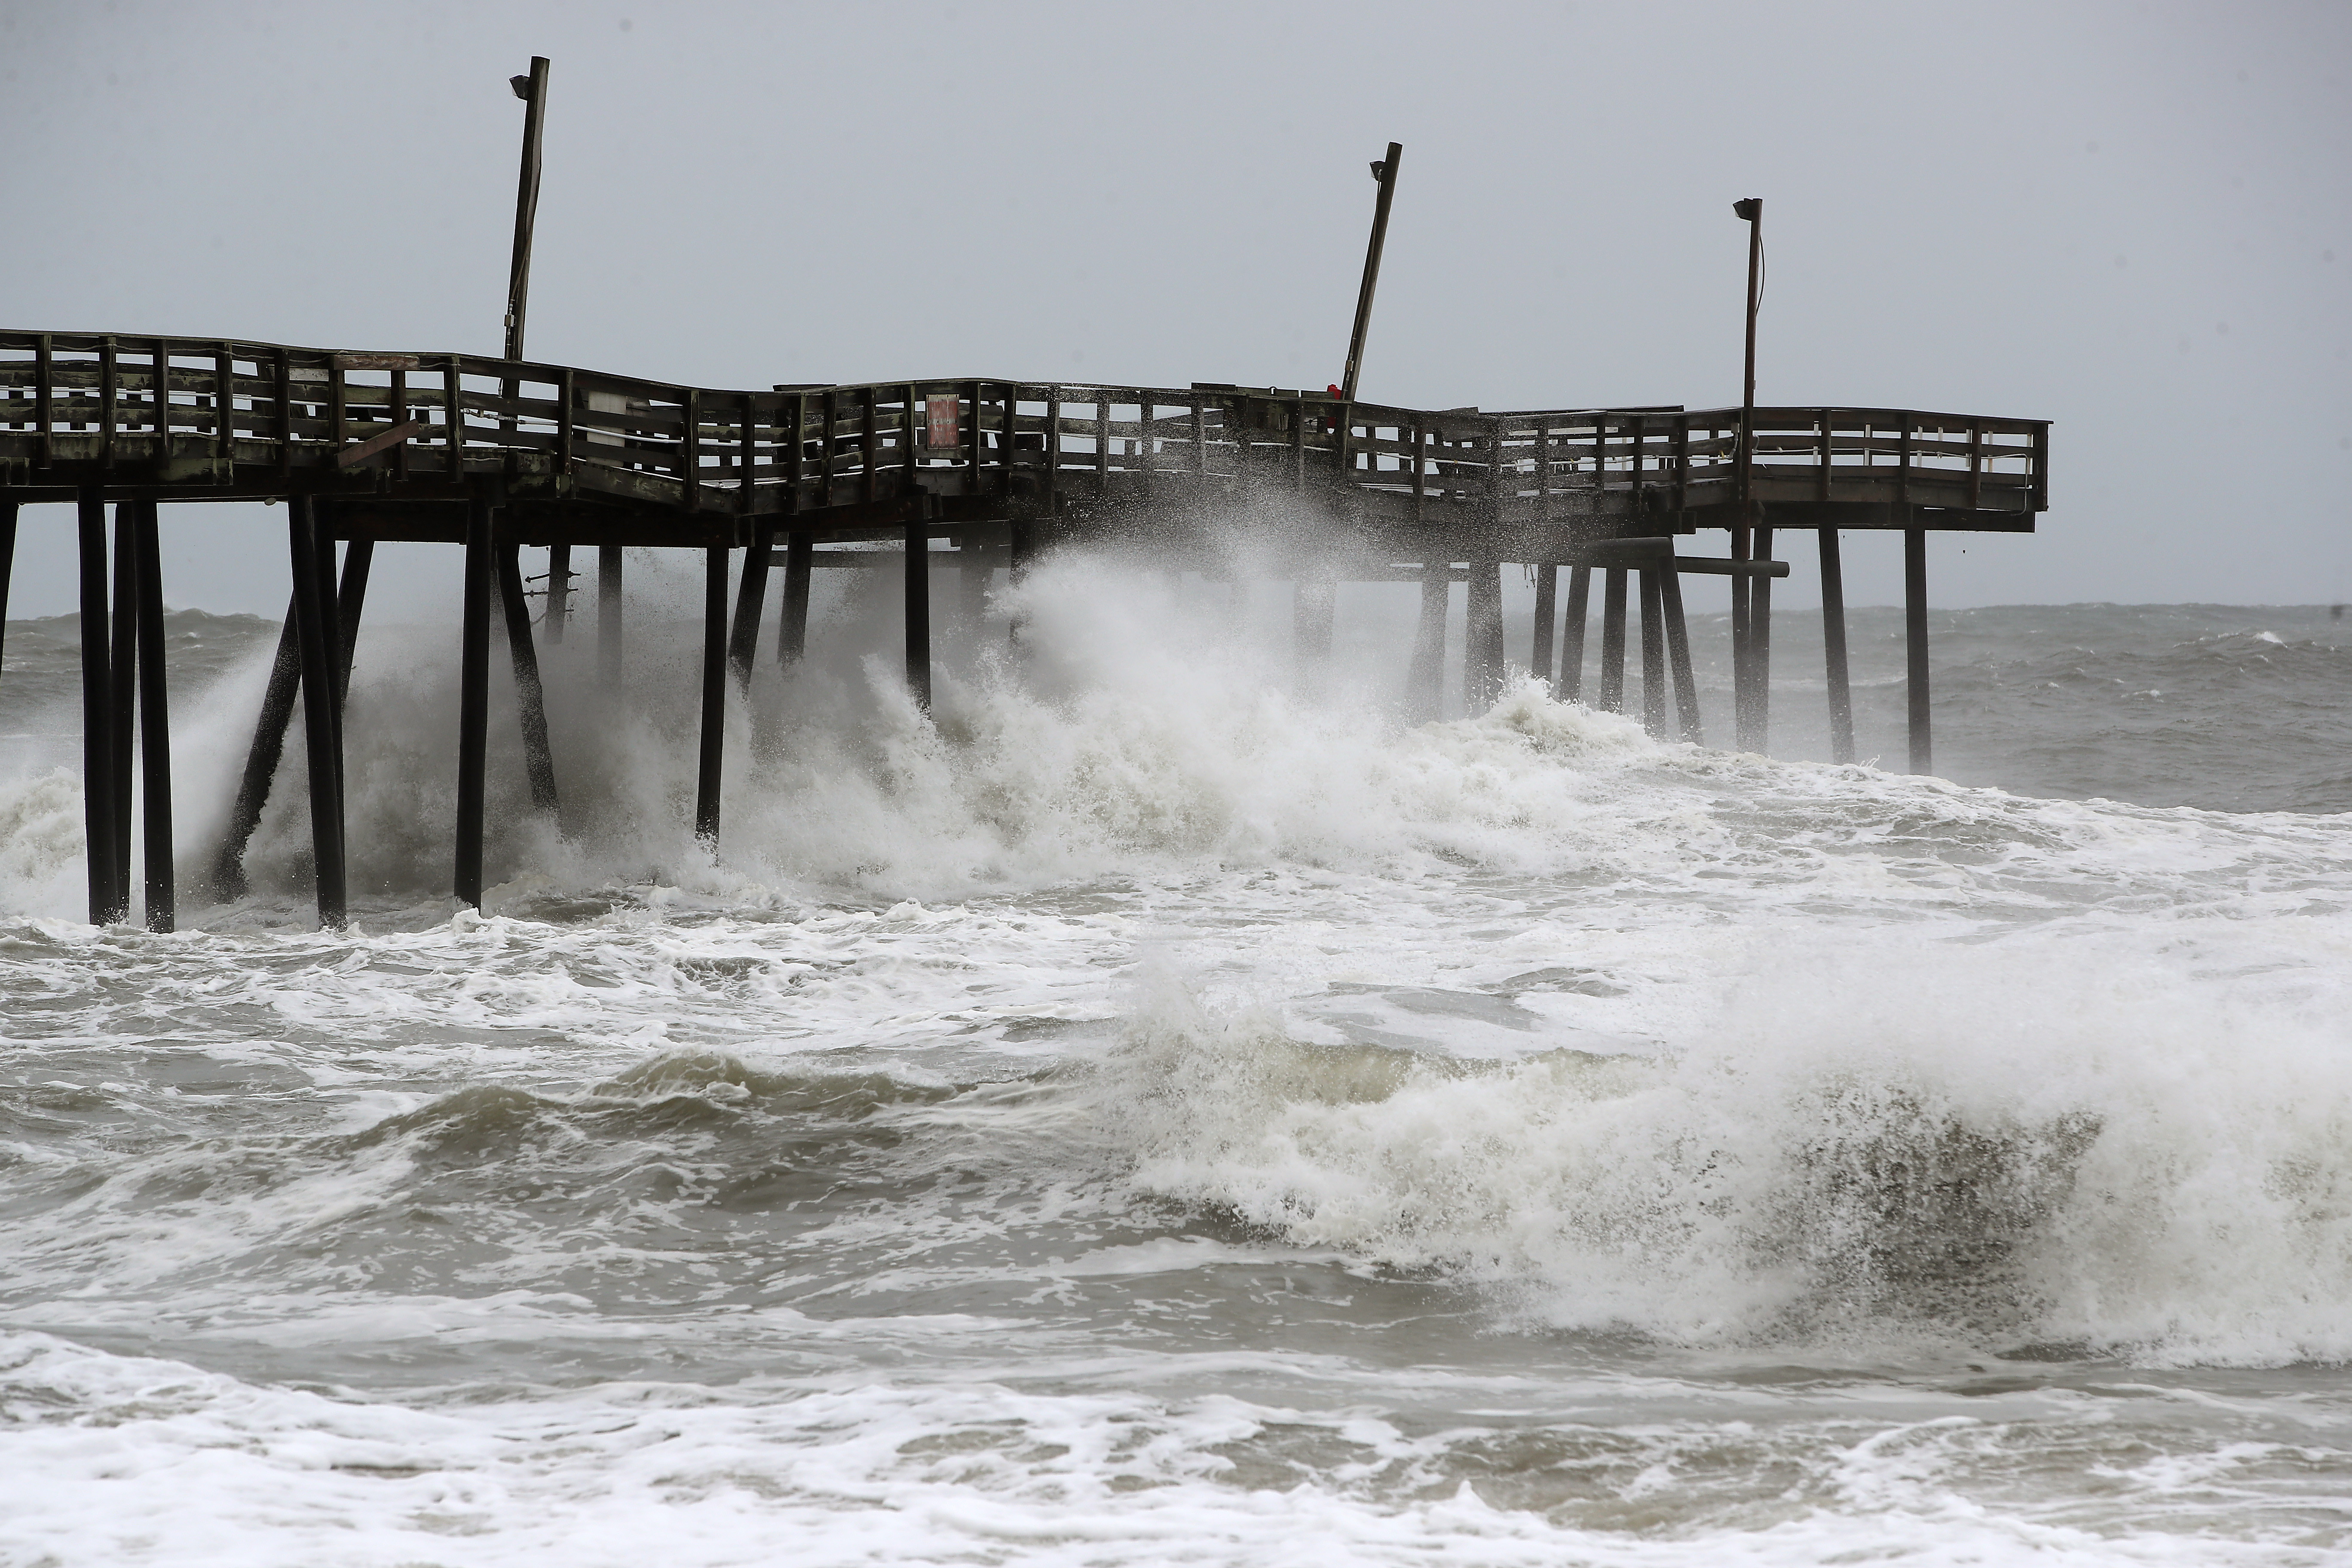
(1135, 1118)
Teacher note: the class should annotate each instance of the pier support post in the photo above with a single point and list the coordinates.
(1020, 554)
(359, 555)
(919, 614)
(1482, 662)
(608, 616)
(124, 664)
(261, 758)
(1547, 612)
(1759, 643)
(154, 727)
(558, 591)
(791, 633)
(714, 697)
(973, 580)
(537, 752)
(474, 698)
(311, 619)
(1914, 646)
(1833, 661)
(1612, 640)
(1653, 653)
(330, 630)
(97, 782)
(1678, 655)
(1424, 678)
(750, 603)
(7, 560)
(1313, 607)
(1743, 716)
(1571, 639)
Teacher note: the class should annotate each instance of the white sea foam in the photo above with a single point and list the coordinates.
(2013, 1141)
(1130, 1115)
(132, 1460)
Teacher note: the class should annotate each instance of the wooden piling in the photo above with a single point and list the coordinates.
(918, 612)
(123, 689)
(1612, 640)
(154, 727)
(750, 603)
(474, 698)
(261, 759)
(1833, 659)
(714, 697)
(322, 562)
(1547, 612)
(1425, 676)
(558, 591)
(1760, 642)
(97, 712)
(1482, 648)
(1743, 719)
(1653, 653)
(537, 752)
(1571, 640)
(1678, 655)
(349, 599)
(7, 563)
(311, 618)
(791, 633)
(1021, 544)
(268, 745)
(1914, 646)
(608, 616)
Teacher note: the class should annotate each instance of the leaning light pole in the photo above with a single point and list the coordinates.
(532, 90)
(1385, 172)
(1315, 593)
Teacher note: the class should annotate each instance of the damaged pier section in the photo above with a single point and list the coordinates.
(496, 456)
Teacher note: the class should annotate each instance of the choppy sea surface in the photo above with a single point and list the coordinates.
(1135, 1116)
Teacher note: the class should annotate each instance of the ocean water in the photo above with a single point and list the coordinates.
(1135, 1116)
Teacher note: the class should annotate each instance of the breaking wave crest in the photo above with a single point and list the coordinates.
(1994, 1143)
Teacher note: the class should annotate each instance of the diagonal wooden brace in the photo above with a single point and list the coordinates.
(360, 452)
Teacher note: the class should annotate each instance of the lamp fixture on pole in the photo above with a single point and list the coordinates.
(532, 90)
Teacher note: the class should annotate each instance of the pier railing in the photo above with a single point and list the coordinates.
(223, 419)
(502, 454)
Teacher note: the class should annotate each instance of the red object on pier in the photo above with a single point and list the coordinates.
(944, 423)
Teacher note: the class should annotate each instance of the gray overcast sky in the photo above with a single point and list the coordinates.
(2131, 219)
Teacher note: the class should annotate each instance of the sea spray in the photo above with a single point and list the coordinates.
(1999, 1143)
(1130, 1113)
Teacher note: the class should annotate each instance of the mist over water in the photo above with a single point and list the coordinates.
(1134, 1115)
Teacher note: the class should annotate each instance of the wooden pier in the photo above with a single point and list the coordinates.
(498, 455)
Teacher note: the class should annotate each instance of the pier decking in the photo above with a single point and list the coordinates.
(408, 439)
(497, 455)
